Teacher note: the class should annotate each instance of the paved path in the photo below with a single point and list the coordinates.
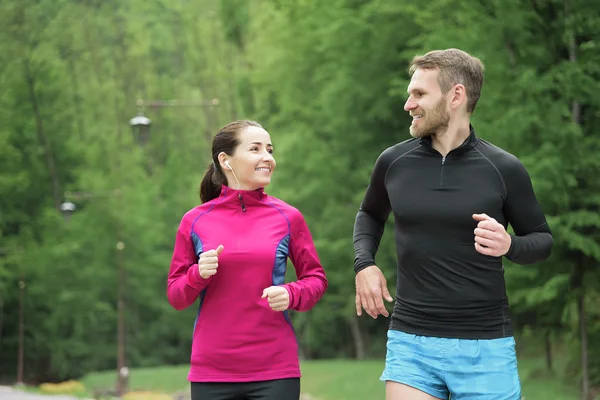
(8, 393)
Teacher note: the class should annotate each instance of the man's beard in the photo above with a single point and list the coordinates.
(432, 122)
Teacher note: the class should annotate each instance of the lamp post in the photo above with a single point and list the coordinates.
(67, 208)
(140, 124)
(122, 370)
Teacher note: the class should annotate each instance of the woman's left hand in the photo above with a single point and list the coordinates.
(278, 297)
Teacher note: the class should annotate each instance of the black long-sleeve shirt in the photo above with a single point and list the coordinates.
(445, 288)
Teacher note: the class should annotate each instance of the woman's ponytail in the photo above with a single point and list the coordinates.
(210, 187)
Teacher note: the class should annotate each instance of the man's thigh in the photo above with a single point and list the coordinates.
(414, 367)
(483, 370)
(398, 391)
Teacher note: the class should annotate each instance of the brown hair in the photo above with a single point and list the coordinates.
(455, 66)
(226, 140)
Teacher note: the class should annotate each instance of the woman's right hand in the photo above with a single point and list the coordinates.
(208, 262)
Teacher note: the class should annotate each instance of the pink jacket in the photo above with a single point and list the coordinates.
(237, 337)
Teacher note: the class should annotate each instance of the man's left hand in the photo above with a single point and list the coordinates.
(491, 238)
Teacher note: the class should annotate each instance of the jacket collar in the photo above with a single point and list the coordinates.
(468, 144)
(231, 193)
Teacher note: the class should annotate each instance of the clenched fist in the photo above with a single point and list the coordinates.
(209, 262)
(278, 297)
(491, 239)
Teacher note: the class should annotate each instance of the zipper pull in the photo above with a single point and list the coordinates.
(443, 160)
(242, 202)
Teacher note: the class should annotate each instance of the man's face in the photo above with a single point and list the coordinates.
(426, 104)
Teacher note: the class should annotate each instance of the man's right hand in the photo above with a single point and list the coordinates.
(208, 262)
(371, 289)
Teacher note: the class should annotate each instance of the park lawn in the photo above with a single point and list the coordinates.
(336, 380)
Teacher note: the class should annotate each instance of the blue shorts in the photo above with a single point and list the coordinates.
(460, 368)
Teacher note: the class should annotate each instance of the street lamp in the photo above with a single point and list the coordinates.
(67, 208)
(140, 127)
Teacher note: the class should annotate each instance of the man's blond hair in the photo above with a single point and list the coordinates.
(456, 67)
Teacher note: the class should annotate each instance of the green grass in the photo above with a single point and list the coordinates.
(338, 380)
(343, 380)
(538, 383)
(168, 379)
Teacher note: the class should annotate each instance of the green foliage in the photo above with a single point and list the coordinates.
(328, 82)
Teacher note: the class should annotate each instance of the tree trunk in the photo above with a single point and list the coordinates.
(21, 351)
(548, 350)
(75, 94)
(1, 320)
(359, 343)
(43, 138)
(580, 268)
(585, 384)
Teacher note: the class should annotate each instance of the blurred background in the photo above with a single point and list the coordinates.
(107, 111)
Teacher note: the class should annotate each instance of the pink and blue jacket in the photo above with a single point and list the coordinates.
(237, 337)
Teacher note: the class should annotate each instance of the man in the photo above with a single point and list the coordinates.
(452, 195)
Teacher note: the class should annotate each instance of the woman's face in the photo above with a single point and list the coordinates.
(252, 162)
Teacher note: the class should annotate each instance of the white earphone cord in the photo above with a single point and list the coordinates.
(236, 179)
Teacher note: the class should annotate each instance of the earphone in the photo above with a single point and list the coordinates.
(226, 162)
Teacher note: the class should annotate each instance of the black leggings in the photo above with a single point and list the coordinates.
(280, 389)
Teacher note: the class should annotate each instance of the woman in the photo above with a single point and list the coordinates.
(231, 252)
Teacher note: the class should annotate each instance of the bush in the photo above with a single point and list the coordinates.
(144, 395)
(68, 387)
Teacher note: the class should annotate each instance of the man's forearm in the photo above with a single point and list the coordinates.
(530, 248)
(367, 235)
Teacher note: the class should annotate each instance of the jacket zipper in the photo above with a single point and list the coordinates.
(242, 202)
(442, 171)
